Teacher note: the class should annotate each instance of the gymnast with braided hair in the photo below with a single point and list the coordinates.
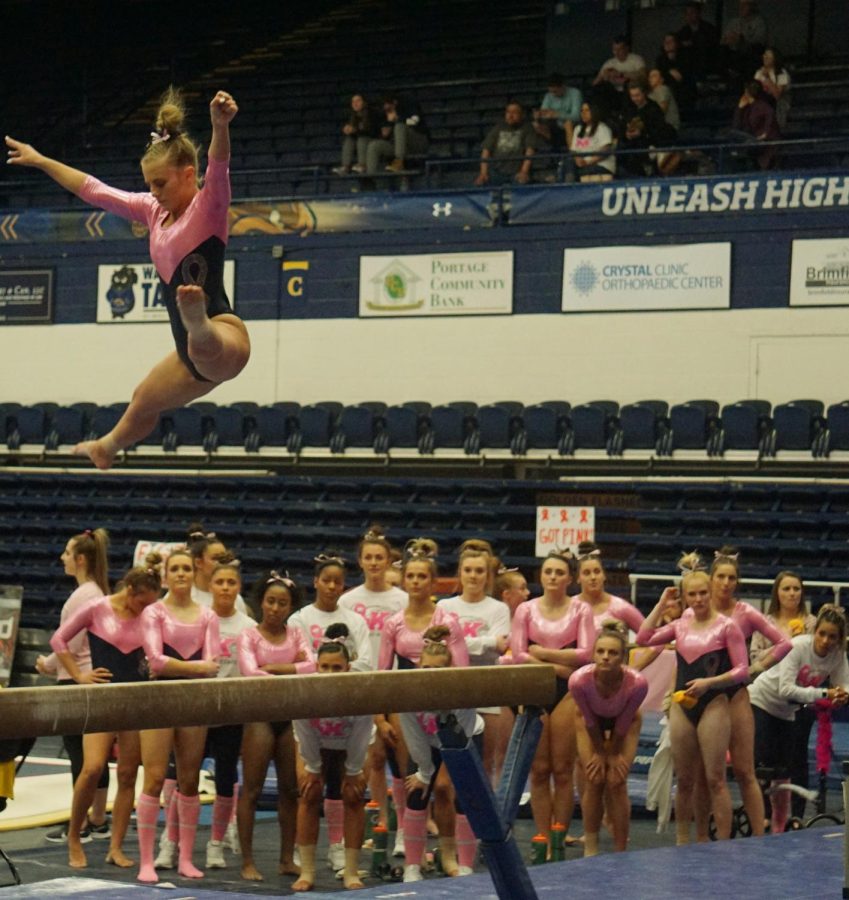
(188, 227)
(711, 661)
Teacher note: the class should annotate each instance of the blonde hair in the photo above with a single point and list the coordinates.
(170, 143)
(421, 550)
(691, 564)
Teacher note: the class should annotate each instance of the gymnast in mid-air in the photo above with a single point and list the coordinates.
(188, 234)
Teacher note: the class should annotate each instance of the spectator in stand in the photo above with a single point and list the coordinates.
(700, 40)
(754, 120)
(593, 135)
(402, 134)
(664, 98)
(645, 126)
(675, 64)
(558, 114)
(505, 144)
(744, 41)
(359, 128)
(775, 81)
(621, 70)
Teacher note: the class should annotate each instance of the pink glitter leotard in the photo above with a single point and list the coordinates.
(621, 706)
(749, 621)
(116, 643)
(187, 251)
(398, 639)
(574, 629)
(255, 651)
(166, 637)
(620, 610)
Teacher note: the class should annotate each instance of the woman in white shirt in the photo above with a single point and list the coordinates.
(593, 137)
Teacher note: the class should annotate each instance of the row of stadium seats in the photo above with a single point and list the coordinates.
(283, 521)
(553, 427)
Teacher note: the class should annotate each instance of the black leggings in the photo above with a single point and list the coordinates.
(223, 744)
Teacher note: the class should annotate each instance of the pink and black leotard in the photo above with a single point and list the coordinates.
(166, 637)
(749, 621)
(399, 640)
(188, 251)
(116, 643)
(702, 653)
(614, 713)
(574, 631)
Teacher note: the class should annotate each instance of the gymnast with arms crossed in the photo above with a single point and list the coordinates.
(188, 234)
(608, 695)
(712, 660)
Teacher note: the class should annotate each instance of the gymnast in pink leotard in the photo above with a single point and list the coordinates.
(273, 648)
(188, 232)
(712, 659)
(556, 629)
(605, 607)
(608, 695)
(113, 625)
(181, 640)
(724, 578)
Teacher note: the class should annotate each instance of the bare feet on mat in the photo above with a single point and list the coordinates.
(251, 873)
(117, 858)
(77, 858)
(302, 884)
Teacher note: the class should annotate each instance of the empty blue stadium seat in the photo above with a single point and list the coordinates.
(693, 425)
(276, 425)
(838, 426)
(68, 426)
(402, 427)
(644, 425)
(186, 428)
(227, 428)
(357, 426)
(545, 429)
(594, 425)
(799, 425)
(500, 427)
(452, 427)
(746, 425)
(31, 425)
(317, 424)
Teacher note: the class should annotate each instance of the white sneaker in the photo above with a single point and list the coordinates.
(341, 170)
(465, 870)
(336, 857)
(399, 843)
(231, 839)
(167, 856)
(215, 855)
(413, 873)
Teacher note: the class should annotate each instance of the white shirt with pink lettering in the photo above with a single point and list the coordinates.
(313, 622)
(353, 734)
(375, 607)
(798, 679)
(481, 623)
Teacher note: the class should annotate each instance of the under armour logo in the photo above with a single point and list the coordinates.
(442, 209)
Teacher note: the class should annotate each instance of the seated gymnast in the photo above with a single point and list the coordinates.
(188, 234)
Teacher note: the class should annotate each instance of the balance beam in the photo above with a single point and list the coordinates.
(81, 709)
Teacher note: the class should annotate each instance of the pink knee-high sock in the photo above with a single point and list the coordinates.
(415, 836)
(334, 813)
(222, 809)
(169, 793)
(399, 798)
(188, 812)
(147, 812)
(467, 844)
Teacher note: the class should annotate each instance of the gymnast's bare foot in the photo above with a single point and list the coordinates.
(250, 872)
(303, 884)
(100, 452)
(288, 868)
(191, 302)
(352, 881)
(116, 858)
(76, 857)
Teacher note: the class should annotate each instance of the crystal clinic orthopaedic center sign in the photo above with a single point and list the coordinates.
(670, 276)
(438, 284)
(132, 292)
(819, 272)
(563, 528)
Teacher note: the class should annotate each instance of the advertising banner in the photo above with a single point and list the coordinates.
(819, 272)
(132, 292)
(437, 284)
(26, 296)
(669, 276)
